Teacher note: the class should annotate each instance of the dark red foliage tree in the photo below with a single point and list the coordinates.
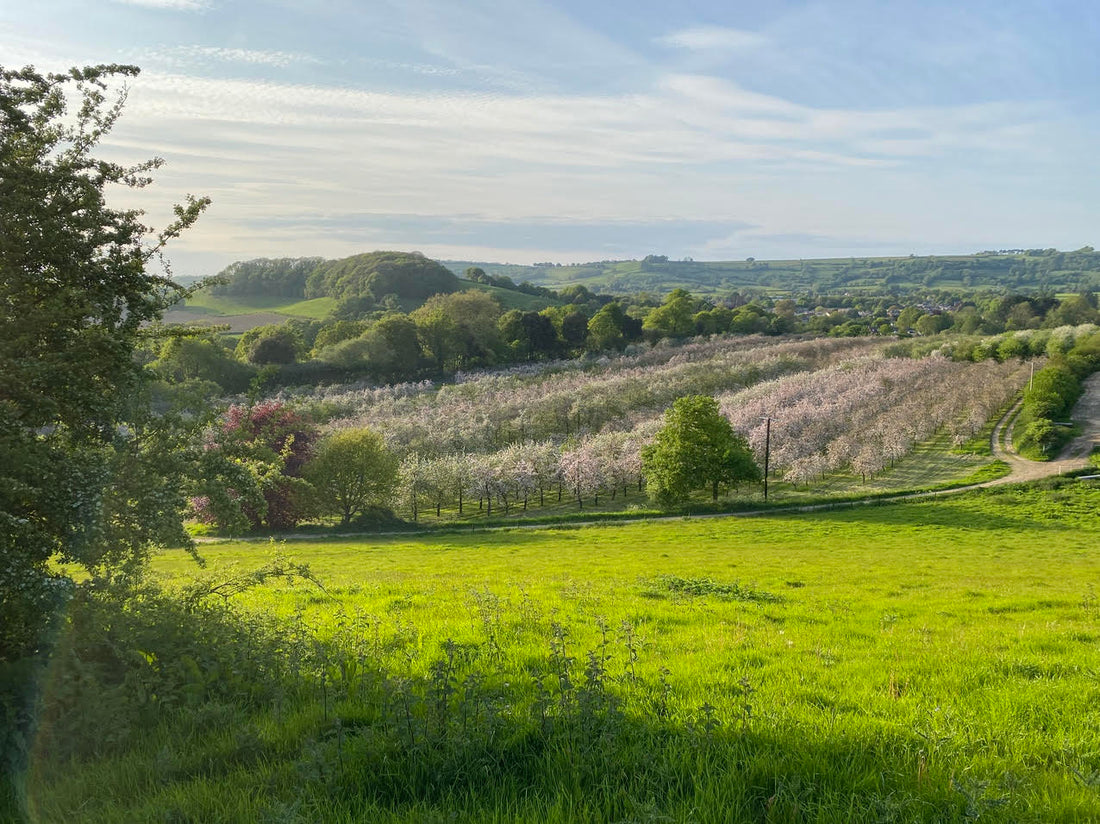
(274, 441)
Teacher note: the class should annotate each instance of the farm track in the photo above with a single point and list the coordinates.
(1072, 458)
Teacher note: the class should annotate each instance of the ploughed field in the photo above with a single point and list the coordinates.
(923, 661)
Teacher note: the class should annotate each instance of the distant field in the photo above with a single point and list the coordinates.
(510, 299)
(239, 311)
(928, 662)
(224, 305)
(1066, 272)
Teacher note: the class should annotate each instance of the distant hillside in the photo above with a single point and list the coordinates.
(186, 281)
(267, 290)
(1018, 270)
(406, 275)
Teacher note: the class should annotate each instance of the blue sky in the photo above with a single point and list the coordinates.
(511, 130)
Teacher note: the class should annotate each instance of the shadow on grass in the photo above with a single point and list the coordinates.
(158, 711)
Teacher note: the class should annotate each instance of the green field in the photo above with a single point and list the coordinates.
(316, 309)
(927, 661)
(511, 299)
(320, 308)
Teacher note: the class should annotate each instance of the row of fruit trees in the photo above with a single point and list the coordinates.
(575, 431)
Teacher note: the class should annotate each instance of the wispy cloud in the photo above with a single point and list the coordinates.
(176, 5)
(684, 120)
(692, 157)
(546, 130)
(713, 38)
(185, 56)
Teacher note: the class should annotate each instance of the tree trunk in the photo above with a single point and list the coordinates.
(714, 491)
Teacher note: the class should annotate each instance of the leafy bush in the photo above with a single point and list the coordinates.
(256, 456)
(132, 656)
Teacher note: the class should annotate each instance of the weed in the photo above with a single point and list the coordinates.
(697, 587)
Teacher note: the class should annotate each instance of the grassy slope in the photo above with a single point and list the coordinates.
(510, 299)
(319, 308)
(225, 305)
(923, 662)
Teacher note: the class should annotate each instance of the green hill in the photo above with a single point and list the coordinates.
(407, 275)
(262, 291)
(1045, 270)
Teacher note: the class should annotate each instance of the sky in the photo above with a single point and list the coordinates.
(523, 131)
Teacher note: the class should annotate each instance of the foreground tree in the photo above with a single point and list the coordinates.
(352, 471)
(75, 296)
(87, 474)
(696, 449)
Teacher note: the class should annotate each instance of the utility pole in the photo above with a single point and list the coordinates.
(767, 452)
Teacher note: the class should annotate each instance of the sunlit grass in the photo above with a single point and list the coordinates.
(317, 308)
(932, 661)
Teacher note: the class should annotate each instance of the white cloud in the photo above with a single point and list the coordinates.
(685, 120)
(691, 147)
(714, 38)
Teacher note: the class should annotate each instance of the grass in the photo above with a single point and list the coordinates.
(509, 298)
(926, 661)
(981, 443)
(321, 308)
(317, 308)
(931, 464)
